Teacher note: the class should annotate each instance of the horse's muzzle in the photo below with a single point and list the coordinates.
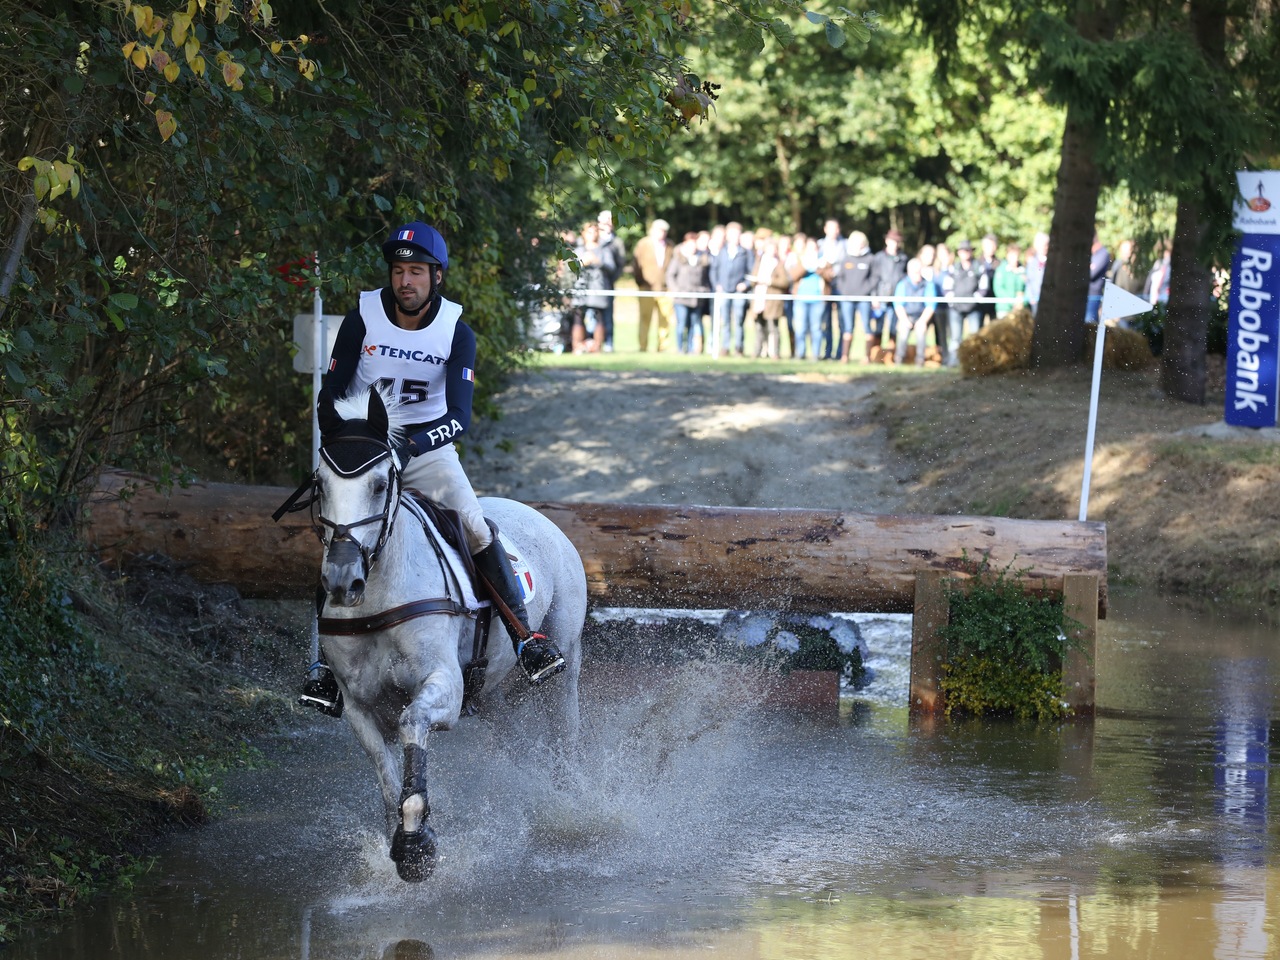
(343, 574)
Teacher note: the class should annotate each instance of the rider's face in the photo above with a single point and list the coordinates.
(411, 284)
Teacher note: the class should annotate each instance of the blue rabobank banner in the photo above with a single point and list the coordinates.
(1253, 332)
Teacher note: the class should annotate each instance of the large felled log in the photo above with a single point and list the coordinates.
(643, 556)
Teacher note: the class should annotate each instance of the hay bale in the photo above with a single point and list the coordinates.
(1006, 345)
(932, 356)
(1121, 350)
(999, 346)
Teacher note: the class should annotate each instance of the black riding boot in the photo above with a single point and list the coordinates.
(539, 657)
(321, 690)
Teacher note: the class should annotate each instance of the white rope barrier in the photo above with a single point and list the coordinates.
(574, 293)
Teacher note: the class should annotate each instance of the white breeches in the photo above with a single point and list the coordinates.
(439, 476)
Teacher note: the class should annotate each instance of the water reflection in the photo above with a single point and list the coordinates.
(693, 824)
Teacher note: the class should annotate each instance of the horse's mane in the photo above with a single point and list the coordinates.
(355, 406)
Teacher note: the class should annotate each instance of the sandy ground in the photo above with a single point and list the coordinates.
(745, 440)
(1189, 512)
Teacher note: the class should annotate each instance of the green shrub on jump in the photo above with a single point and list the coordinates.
(1004, 650)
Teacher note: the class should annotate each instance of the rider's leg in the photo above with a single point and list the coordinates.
(539, 657)
(320, 690)
(440, 477)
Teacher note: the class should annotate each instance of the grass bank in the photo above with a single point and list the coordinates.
(1185, 512)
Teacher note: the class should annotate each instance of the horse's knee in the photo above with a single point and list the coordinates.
(436, 707)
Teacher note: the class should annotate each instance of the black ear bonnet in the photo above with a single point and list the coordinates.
(350, 447)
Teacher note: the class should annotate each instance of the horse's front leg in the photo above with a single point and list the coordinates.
(436, 705)
(382, 754)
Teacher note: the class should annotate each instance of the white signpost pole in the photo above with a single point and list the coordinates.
(1117, 303)
(319, 342)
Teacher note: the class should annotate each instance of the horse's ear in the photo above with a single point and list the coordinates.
(378, 421)
(327, 413)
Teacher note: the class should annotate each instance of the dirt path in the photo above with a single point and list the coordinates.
(715, 439)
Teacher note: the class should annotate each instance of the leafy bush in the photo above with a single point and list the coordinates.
(1004, 650)
(50, 668)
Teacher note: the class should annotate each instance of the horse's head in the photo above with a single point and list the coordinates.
(357, 491)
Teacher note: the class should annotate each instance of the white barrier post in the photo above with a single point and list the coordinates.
(319, 344)
(1117, 303)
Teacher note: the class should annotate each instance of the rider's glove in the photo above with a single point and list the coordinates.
(405, 451)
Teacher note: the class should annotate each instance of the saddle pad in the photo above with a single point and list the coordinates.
(520, 567)
(458, 565)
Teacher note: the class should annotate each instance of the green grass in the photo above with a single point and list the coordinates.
(1220, 452)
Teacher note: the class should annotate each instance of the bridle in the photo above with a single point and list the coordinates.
(342, 531)
(311, 491)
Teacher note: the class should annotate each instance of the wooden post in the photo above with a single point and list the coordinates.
(928, 649)
(1080, 603)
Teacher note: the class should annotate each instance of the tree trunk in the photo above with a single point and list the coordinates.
(635, 556)
(1186, 325)
(788, 185)
(1058, 337)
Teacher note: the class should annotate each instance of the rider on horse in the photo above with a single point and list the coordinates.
(408, 338)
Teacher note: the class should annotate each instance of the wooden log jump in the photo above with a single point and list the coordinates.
(635, 555)
(655, 556)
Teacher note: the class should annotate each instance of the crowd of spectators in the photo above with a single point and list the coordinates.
(705, 291)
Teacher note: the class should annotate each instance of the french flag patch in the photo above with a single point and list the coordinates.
(520, 567)
(333, 365)
(468, 374)
(404, 235)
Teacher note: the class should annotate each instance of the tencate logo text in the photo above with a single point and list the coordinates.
(399, 353)
(1252, 313)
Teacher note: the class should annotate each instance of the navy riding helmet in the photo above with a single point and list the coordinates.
(416, 243)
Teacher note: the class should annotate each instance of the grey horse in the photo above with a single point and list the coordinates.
(399, 616)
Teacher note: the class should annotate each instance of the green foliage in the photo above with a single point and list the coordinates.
(1167, 100)
(101, 738)
(862, 133)
(1004, 649)
(977, 686)
(161, 164)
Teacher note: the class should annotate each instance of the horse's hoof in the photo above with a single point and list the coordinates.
(414, 853)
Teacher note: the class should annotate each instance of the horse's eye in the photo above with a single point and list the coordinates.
(380, 486)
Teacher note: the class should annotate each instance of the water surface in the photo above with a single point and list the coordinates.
(691, 825)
